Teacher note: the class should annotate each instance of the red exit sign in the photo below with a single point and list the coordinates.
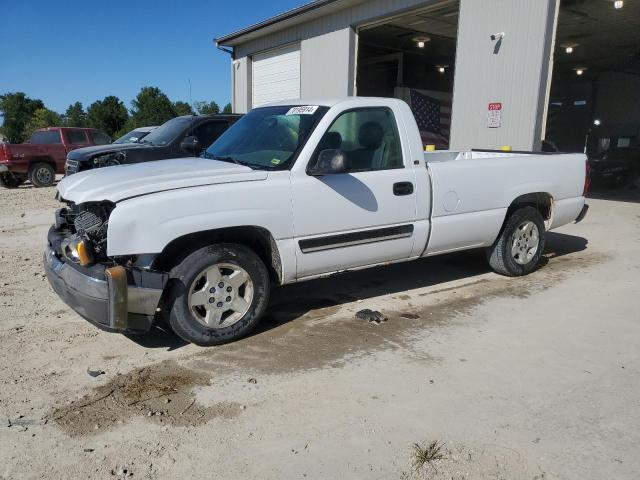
(495, 106)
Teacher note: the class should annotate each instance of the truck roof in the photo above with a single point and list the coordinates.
(62, 128)
(330, 102)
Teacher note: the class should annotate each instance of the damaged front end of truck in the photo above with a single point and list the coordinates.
(118, 294)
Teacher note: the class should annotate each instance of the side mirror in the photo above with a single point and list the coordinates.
(190, 144)
(329, 162)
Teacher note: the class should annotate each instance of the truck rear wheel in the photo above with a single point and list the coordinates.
(218, 294)
(11, 180)
(42, 175)
(519, 247)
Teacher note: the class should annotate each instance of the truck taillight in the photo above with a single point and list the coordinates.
(587, 179)
(5, 154)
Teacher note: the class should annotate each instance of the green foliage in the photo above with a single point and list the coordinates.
(22, 115)
(108, 115)
(126, 128)
(427, 454)
(151, 107)
(17, 110)
(75, 116)
(207, 108)
(182, 108)
(42, 118)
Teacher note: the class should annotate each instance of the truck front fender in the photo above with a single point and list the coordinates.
(147, 224)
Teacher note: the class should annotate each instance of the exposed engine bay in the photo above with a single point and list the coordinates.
(87, 222)
(109, 159)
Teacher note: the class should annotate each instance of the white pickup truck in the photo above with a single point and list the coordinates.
(291, 192)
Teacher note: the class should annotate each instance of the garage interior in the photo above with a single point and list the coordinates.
(595, 91)
(412, 57)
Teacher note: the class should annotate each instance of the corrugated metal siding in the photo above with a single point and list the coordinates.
(328, 69)
(363, 12)
(241, 91)
(516, 76)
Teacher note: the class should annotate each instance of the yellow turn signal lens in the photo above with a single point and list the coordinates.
(429, 148)
(83, 254)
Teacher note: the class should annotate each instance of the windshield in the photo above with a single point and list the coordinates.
(132, 137)
(268, 137)
(167, 132)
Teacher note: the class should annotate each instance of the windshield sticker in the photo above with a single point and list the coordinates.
(303, 110)
(275, 161)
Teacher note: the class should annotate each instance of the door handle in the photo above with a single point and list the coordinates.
(402, 188)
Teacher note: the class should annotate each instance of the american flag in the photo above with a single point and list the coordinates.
(433, 118)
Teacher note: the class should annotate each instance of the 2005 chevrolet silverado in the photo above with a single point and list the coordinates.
(291, 192)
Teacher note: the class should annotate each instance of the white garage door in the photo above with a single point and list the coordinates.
(276, 75)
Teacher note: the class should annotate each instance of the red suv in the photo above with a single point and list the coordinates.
(44, 154)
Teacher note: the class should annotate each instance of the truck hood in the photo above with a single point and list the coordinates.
(125, 181)
(86, 153)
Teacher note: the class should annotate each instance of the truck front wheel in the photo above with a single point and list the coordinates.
(518, 249)
(42, 175)
(217, 294)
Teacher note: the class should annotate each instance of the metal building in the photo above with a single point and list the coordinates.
(477, 73)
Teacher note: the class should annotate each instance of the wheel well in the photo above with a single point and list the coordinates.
(47, 160)
(541, 201)
(258, 239)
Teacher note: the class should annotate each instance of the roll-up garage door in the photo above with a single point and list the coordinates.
(276, 75)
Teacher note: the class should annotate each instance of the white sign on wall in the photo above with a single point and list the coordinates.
(494, 115)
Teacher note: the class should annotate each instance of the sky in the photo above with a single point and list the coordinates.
(66, 51)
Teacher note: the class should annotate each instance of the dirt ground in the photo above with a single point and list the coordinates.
(530, 378)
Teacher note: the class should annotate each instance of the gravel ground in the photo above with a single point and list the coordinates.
(531, 378)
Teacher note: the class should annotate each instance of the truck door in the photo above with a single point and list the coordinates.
(50, 144)
(75, 138)
(365, 215)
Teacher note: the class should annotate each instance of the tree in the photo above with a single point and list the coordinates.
(108, 115)
(227, 108)
(42, 118)
(17, 109)
(151, 107)
(207, 108)
(75, 116)
(182, 108)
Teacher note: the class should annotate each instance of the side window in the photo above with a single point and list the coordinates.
(45, 137)
(76, 136)
(368, 137)
(100, 138)
(209, 132)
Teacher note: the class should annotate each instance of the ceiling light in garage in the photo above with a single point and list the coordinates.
(568, 47)
(597, 122)
(421, 41)
(580, 70)
(441, 68)
(618, 4)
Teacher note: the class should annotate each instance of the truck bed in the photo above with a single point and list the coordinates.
(472, 190)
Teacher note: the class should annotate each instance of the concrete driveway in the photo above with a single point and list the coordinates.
(536, 377)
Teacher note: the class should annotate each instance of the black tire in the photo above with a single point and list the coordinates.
(183, 320)
(10, 180)
(500, 256)
(42, 175)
